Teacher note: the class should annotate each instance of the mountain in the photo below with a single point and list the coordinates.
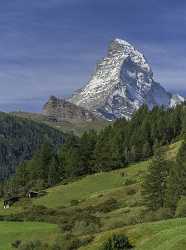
(20, 138)
(122, 82)
(60, 110)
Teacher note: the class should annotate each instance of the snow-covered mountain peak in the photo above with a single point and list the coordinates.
(128, 50)
(122, 42)
(122, 82)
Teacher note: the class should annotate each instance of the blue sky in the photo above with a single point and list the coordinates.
(50, 47)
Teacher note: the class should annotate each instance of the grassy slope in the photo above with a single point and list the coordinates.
(124, 186)
(11, 231)
(90, 187)
(164, 235)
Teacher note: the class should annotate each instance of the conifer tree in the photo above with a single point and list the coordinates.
(53, 172)
(176, 185)
(154, 187)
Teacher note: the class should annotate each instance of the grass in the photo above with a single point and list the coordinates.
(172, 150)
(164, 235)
(12, 231)
(90, 187)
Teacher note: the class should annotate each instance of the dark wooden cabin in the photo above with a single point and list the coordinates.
(33, 194)
(9, 202)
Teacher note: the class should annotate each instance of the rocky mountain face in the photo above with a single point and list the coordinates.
(60, 110)
(122, 82)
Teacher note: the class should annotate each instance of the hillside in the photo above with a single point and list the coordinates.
(114, 199)
(19, 138)
(163, 235)
(77, 127)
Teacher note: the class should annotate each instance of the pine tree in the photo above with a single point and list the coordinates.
(87, 147)
(154, 187)
(53, 172)
(146, 150)
(176, 185)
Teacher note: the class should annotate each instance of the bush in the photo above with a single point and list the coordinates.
(134, 218)
(85, 227)
(131, 190)
(38, 245)
(181, 208)
(69, 242)
(32, 245)
(160, 214)
(74, 203)
(163, 214)
(16, 243)
(117, 242)
(129, 182)
(107, 206)
(79, 221)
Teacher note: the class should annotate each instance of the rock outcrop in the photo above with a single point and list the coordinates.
(60, 110)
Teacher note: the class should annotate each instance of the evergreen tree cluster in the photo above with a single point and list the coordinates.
(19, 139)
(125, 141)
(165, 182)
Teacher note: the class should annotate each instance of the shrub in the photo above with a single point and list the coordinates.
(131, 190)
(79, 221)
(74, 203)
(181, 208)
(117, 242)
(31, 245)
(129, 182)
(107, 206)
(16, 243)
(69, 242)
(160, 214)
(163, 214)
(134, 218)
(38, 245)
(85, 227)
(117, 224)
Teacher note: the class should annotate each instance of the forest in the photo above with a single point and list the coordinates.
(116, 146)
(20, 138)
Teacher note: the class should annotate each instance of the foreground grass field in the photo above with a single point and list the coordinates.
(164, 235)
(12, 231)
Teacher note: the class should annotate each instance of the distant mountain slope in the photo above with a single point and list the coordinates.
(60, 110)
(19, 138)
(78, 127)
(123, 81)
